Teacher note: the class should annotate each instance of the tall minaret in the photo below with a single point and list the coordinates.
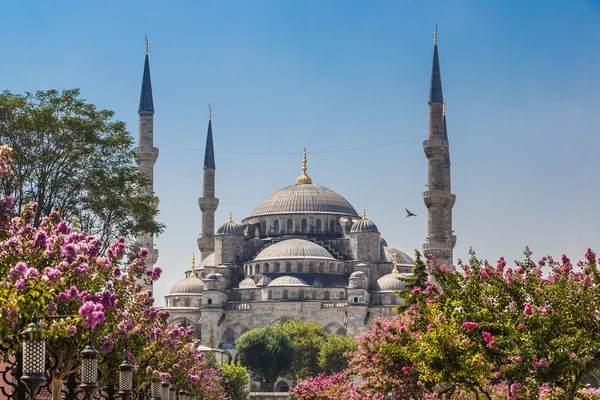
(146, 154)
(208, 203)
(438, 199)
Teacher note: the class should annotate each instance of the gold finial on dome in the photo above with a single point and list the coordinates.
(146, 44)
(230, 221)
(394, 262)
(364, 215)
(303, 179)
(193, 275)
(435, 34)
(209, 112)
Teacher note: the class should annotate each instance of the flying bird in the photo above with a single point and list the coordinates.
(410, 214)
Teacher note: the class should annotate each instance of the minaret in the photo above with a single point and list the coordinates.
(438, 199)
(208, 203)
(146, 154)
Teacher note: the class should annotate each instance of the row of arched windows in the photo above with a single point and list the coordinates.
(289, 227)
(184, 303)
(302, 294)
(299, 267)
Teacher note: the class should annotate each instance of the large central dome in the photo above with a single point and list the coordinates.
(305, 198)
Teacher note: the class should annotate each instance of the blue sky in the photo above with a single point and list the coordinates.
(521, 80)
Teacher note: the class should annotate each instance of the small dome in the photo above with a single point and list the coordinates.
(363, 225)
(288, 281)
(209, 261)
(263, 280)
(213, 277)
(189, 286)
(358, 275)
(402, 259)
(293, 249)
(390, 282)
(247, 283)
(230, 228)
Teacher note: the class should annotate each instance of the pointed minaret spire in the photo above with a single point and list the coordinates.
(438, 198)
(435, 90)
(208, 203)
(304, 179)
(146, 154)
(146, 102)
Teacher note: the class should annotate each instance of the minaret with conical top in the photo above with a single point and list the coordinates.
(146, 154)
(208, 203)
(438, 199)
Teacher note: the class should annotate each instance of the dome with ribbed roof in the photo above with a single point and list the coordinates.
(390, 282)
(188, 286)
(213, 277)
(247, 283)
(402, 259)
(304, 199)
(209, 261)
(358, 275)
(294, 249)
(287, 281)
(229, 228)
(364, 225)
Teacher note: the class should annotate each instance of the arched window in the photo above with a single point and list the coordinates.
(318, 225)
(257, 269)
(175, 301)
(252, 295)
(300, 267)
(311, 267)
(314, 295)
(341, 296)
(326, 295)
(339, 271)
(304, 225)
(290, 226)
(331, 268)
(302, 294)
(277, 267)
(276, 227)
(270, 295)
(209, 301)
(263, 228)
(288, 267)
(321, 267)
(285, 294)
(266, 268)
(229, 336)
(186, 302)
(332, 226)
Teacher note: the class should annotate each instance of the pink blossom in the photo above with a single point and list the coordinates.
(527, 309)
(470, 325)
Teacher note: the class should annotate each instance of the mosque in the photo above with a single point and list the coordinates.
(304, 252)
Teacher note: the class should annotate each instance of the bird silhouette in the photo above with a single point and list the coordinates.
(410, 214)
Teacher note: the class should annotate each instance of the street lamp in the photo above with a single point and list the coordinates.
(34, 357)
(165, 390)
(156, 391)
(89, 369)
(182, 394)
(125, 379)
(172, 392)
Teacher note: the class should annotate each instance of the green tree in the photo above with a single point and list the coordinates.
(418, 279)
(267, 352)
(71, 157)
(308, 337)
(210, 356)
(332, 356)
(235, 380)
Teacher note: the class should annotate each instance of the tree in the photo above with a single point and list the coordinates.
(267, 352)
(414, 284)
(70, 157)
(308, 338)
(235, 380)
(333, 356)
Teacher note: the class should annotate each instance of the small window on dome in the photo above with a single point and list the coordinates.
(257, 269)
(277, 267)
(285, 294)
(318, 225)
(311, 268)
(304, 225)
(290, 226)
(276, 227)
(288, 267)
(175, 301)
(314, 295)
(266, 267)
(326, 295)
(341, 296)
(186, 302)
(321, 267)
(302, 294)
(263, 228)
(331, 226)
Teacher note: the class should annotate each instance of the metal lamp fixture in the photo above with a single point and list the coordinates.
(156, 391)
(89, 368)
(188, 395)
(165, 390)
(172, 392)
(34, 357)
(182, 394)
(125, 379)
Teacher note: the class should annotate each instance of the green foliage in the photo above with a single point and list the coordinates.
(235, 380)
(308, 338)
(332, 356)
(71, 157)
(210, 356)
(267, 352)
(418, 279)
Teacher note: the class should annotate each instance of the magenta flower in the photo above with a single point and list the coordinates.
(470, 325)
(527, 309)
(20, 284)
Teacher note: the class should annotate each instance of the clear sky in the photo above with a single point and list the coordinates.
(349, 81)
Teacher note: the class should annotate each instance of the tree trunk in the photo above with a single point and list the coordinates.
(56, 388)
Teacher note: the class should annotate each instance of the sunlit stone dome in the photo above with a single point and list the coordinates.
(294, 249)
(188, 285)
(390, 282)
(287, 281)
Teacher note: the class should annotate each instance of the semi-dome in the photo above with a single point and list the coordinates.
(229, 228)
(387, 255)
(358, 275)
(188, 286)
(262, 280)
(364, 225)
(247, 283)
(209, 261)
(294, 249)
(213, 277)
(304, 199)
(287, 281)
(390, 282)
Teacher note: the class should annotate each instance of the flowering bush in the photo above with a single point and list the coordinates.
(490, 332)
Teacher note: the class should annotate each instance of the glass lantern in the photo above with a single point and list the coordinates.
(156, 391)
(172, 392)
(34, 356)
(125, 379)
(165, 390)
(89, 368)
(182, 395)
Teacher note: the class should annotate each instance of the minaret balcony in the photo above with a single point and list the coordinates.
(439, 198)
(435, 148)
(208, 203)
(142, 154)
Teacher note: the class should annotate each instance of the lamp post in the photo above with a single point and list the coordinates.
(156, 391)
(125, 379)
(89, 369)
(172, 392)
(165, 390)
(182, 394)
(34, 357)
